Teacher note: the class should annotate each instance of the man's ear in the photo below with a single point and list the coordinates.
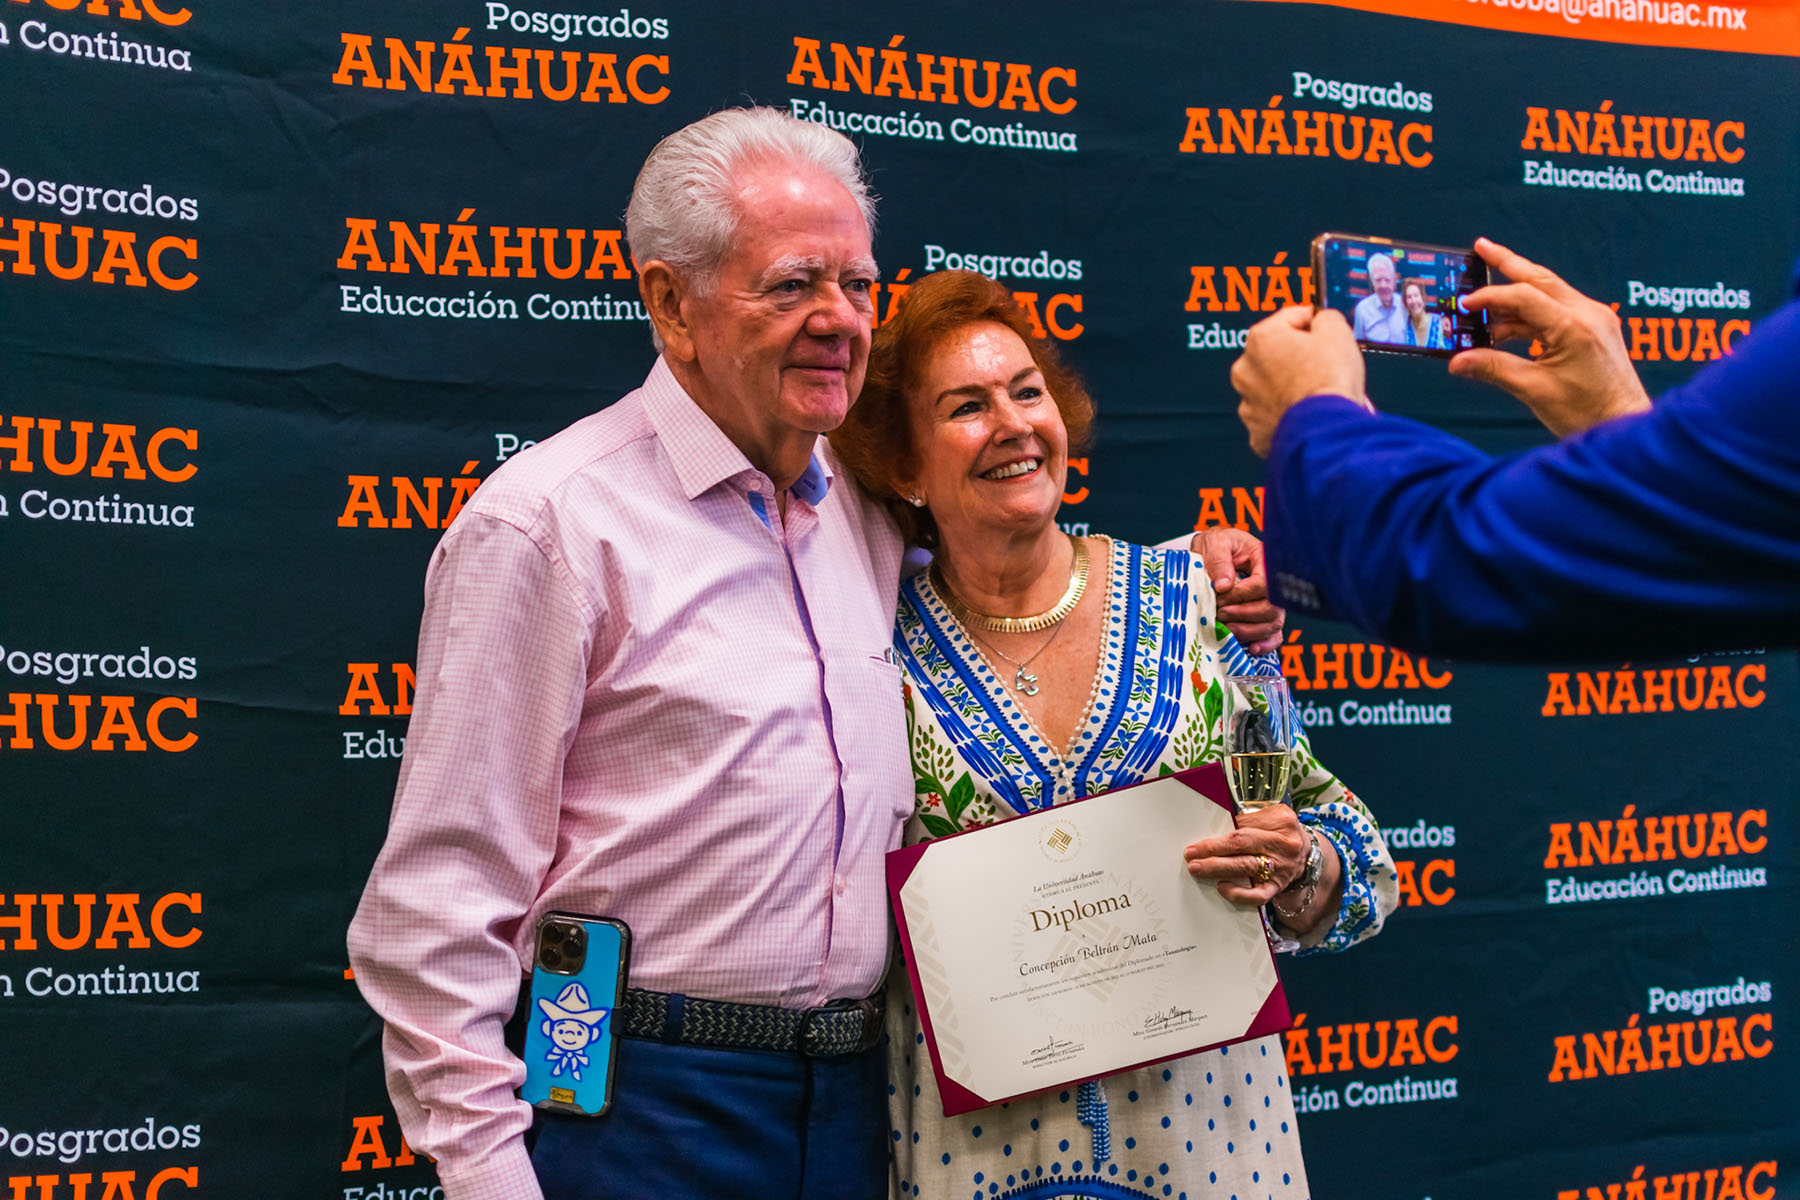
(666, 298)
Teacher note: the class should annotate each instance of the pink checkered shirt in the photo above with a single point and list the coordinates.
(642, 695)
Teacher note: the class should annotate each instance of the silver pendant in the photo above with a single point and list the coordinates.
(1025, 682)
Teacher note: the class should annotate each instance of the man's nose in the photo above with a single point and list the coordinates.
(833, 314)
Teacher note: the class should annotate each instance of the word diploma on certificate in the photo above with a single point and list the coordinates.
(1071, 943)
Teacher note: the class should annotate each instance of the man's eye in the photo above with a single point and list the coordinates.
(790, 287)
(859, 287)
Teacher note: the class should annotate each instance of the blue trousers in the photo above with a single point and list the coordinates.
(694, 1121)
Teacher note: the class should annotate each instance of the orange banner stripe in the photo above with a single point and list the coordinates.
(1748, 27)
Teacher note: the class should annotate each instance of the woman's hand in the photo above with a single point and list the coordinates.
(1232, 860)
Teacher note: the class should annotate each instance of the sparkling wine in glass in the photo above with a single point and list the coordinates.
(1259, 739)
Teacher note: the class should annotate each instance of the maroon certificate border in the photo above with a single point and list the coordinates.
(1273, 1017)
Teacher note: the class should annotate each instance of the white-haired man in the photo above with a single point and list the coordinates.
(654, 684)
(1379, 316)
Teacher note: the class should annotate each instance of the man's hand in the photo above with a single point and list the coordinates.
(1287, 357)
(1234, 563)
(1584, 376)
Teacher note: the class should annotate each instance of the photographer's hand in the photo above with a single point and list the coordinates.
(1287, 357)
(1584, 376)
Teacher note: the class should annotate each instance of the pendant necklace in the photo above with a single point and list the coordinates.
(1024, 682)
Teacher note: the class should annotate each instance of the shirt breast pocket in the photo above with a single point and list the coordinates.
(877, 765)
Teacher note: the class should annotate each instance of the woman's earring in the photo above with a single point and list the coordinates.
(916, 501)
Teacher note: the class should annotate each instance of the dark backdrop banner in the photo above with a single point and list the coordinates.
(280, 284)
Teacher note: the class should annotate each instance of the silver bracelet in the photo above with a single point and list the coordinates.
(1306, 894)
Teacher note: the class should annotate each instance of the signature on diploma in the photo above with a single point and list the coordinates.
(1162, 1020)
(1054, 1049)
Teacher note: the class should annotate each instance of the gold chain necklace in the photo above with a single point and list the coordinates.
(1078, 577)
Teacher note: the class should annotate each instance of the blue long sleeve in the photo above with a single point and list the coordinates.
(1678, 529)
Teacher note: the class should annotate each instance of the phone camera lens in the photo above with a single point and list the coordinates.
(552, 957)
(574, 940)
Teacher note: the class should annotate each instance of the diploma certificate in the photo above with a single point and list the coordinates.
(1072, 943)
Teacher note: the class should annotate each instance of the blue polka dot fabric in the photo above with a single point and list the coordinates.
(1034, 1149)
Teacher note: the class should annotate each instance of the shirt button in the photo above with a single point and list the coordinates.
(839, 885)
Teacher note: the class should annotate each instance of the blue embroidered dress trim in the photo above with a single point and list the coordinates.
(1137, 698)
(1118, 668)
(1356, 840)
(1091, 1110)
(928, 635)
(1171, 673)
(1239, 661)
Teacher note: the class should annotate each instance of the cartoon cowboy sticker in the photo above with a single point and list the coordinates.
(570, 1022)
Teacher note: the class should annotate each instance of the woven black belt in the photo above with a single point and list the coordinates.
(841, 1027)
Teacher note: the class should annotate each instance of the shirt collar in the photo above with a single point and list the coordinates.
(702, 456)
(814, 482)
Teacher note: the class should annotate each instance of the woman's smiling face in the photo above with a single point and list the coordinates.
(993, 452)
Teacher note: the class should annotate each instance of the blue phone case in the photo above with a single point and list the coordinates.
(569, 1036)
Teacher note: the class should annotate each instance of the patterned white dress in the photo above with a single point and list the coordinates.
(1217, 1124)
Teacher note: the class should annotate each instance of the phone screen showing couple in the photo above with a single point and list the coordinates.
(1401, 297)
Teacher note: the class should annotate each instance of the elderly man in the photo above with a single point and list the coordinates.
(1380, 317)
(1651, 530)
(654, 685)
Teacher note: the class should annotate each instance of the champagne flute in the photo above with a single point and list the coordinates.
(1259, 739)
(1260, 726)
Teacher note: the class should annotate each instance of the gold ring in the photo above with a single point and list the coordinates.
(1265, 871)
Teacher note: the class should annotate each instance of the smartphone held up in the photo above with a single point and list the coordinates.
(1401, 297)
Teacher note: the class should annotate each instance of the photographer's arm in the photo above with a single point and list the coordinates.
(1669, 531)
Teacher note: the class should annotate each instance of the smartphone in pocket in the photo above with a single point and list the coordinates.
(571, 1037)
(1401, 297)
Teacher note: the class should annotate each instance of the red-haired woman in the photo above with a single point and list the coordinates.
(1042, 668)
